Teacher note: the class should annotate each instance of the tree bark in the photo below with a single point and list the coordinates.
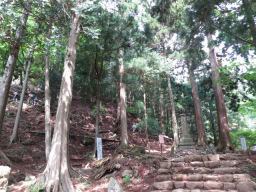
(47, 102)
(10, 65)
(201, 141)
(124, 133)
(224, 140)
(212, 123)
(57, 169)
(162, 112)
(97, 116)
(17, 119)
(174, 119)
(146, 118)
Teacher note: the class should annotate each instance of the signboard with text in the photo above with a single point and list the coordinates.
(99, 148)
(161, 139)
(243, 143)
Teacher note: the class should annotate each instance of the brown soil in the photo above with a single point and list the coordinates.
(28, 156)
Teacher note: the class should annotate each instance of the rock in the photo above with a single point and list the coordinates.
(3, 184)
(245, 186)
(114, 186)
(136, 181)
(179, 184)
(29, 177)
(195, 185)
(229, 186)
(163, 185)
(136, 173)
(195, 177)
(127, 173)
(253, 150)
(226, 178)
(215, 157)
(213, 185)
(4, 176)
(5, 171)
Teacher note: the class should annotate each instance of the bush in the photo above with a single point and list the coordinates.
(102, 109)
(136, 110)
(249, 135)
(153, 126)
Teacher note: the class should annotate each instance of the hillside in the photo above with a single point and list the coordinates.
(28, 156)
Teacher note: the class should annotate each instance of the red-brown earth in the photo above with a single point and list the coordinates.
(28, 156)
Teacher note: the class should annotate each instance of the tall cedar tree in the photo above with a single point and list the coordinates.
(10, 65)
(57, 169)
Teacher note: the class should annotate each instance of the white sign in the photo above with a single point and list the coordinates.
(243, 143)
(99, 148)
(161, 139)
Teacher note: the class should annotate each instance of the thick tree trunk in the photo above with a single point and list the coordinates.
(47, 102)
(161, 109)
(17, 119)
(215, 138)
(10, 65)
(201, 141)
(124, 134)
(225, 141)
(57, 169)
(97, 115)
(174, 119)
(146, 118)
(249, 16)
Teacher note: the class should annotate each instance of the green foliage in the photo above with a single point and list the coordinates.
(102, 109)
(153, 126)
(248, 107)
(138, 150)
(127, 179)
(36, 187)
(136, 110)
(249, 135)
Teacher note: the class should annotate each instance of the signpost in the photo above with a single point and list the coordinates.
(161, 141)
(99, 148)
(243, 143)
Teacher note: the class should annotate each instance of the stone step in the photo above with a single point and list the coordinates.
(210, 157)
(208, 164)
(247, 186)
(211, 177)
(193, 190)
(199, 190)
(204, 170)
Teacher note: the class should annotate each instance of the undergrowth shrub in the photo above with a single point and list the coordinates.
(153, 126)
(137, 109)
(249, 135)
(102, 109)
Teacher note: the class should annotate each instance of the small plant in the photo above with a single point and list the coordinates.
(127, 179)
(10, 115)
(102, 109)
(36, 188)
(83, 180)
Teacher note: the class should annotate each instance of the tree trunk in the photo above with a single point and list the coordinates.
(10, 65)
(201, 141)
(57, 169)
(249, 16)
(225, 142)
(211, 119)
(17, 119)
(97, 115)
(146, 119)
(174, 119)
(47, 103)
(162, 112)
(124, 134)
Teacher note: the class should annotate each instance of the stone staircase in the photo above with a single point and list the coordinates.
(203, 173)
